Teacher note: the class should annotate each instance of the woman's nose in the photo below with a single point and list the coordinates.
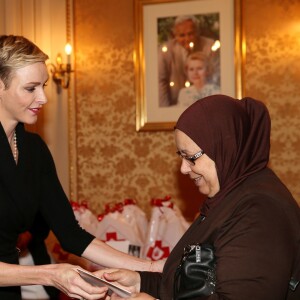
(42, 98)
(185, 167)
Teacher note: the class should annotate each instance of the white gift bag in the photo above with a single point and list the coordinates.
(166, 227)
(119, 227)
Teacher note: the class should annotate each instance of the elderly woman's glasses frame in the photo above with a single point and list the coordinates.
(192, 158)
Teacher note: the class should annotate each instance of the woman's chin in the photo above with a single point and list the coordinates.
(29, 121)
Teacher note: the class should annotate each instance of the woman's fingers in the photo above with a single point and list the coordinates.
(70, 282)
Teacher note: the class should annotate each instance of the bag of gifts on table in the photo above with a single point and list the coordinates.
(166, 227)
(135, 217)
(123, 226)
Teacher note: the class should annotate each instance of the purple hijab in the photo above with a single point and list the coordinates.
(235, 134)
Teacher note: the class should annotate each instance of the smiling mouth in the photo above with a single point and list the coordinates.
(197, 179)
(35, 110)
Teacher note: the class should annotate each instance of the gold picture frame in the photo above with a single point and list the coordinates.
(150, 116)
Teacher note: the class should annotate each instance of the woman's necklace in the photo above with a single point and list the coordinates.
(15, 147)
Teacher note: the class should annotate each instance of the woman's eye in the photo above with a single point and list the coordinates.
(30, 89)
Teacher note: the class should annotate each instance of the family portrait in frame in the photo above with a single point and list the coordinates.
(185, 50)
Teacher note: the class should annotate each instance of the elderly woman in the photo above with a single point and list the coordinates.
(249, 216)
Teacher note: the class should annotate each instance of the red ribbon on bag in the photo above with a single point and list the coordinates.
(78, 205)
(162, 202)
(129, 201)
(110, 208)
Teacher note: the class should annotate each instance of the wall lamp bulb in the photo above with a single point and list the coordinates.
(61, 73)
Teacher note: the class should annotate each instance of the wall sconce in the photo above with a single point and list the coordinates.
(61, 73)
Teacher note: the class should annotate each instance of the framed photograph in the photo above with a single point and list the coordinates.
(184, 51)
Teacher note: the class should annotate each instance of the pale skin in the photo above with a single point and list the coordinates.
(21, 102)
(196, 73)
(204, 174)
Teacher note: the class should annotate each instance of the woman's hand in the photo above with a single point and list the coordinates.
(62, 276)
(127, 279)
(66, 278)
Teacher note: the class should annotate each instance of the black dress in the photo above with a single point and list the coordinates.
(30, 188)
(38, 250)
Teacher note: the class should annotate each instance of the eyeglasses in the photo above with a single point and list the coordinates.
(191, 159)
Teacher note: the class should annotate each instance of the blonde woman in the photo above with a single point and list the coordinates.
(29, 184)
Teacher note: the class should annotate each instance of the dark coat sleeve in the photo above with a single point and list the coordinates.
(150, 283)
(39, 252)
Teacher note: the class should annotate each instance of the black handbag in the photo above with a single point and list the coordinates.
(195, 276)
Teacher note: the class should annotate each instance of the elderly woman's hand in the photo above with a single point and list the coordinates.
(127, 279)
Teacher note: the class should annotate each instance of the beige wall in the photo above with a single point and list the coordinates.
(114, 161)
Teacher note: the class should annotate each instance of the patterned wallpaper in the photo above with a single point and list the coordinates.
(114, 161)
(272, 74)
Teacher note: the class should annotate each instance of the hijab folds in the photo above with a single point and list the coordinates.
(235, 134)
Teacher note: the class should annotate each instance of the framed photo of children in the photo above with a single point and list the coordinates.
(184, 51)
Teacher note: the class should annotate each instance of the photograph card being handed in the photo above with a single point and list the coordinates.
(100, 282)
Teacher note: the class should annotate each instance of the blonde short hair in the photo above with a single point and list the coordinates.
(17, 52)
